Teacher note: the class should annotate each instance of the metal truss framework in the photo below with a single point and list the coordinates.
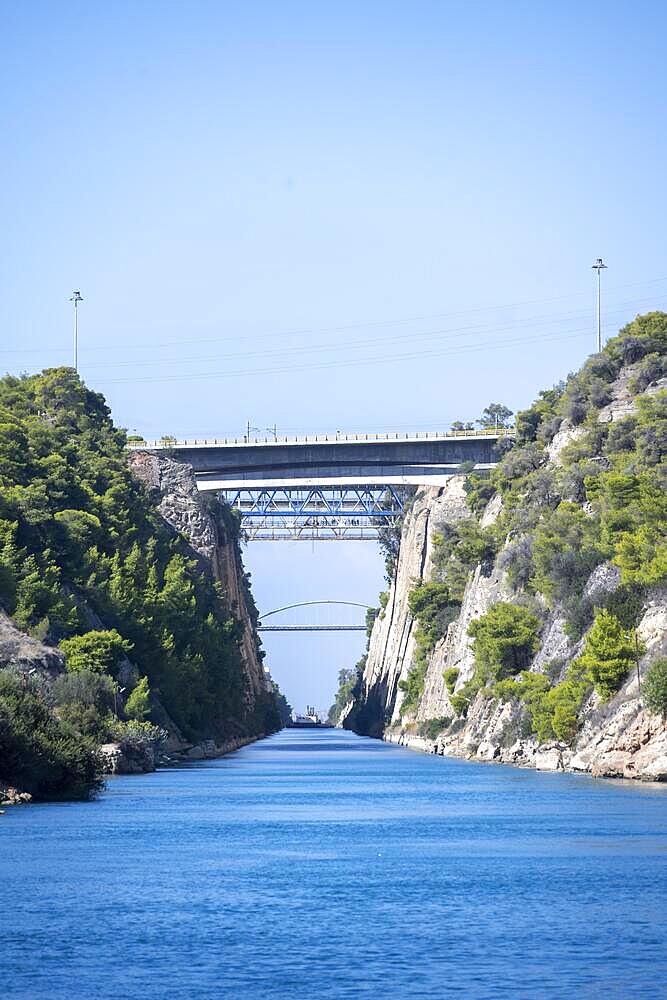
(315, 514)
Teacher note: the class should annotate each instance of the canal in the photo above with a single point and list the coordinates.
(321, 864)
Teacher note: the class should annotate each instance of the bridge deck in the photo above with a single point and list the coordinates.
(329, 486)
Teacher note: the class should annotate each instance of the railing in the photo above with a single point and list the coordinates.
(166, 443)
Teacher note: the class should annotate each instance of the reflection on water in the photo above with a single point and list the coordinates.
(326, 865)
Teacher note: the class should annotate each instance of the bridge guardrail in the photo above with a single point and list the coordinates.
(165, 443)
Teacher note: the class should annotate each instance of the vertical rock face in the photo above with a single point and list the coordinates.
(617, 738)
(204, 523)
(392, 642)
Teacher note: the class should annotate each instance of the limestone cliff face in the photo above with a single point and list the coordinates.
(619, 738)
(203, 523)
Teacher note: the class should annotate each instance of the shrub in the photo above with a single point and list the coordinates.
(517, 561)
(553, 711)
(641, 556)
(462, 700)
(519, 462)
(412, 687)
(609, 652)
(451, 675)
(432, 609)
(138, 704)
(136, 732)
(654, 687)
(40, 754)
(84, 701)
(431, 728)
(84, 688)
(566, 550)
(505, 639)
(95, 651)
(478, 490)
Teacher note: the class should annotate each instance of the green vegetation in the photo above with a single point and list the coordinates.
(654, 687)
(505, 640)
(432, 609)
(138, 704)
(457, 549)
(495, 415)
(451, 675)
(609, 652)
(617, 469)
(81, 541)
(479, 490)
(348, 681)
(389, 535)
(553, 711)
(431, 728)
(39, 753)
(564, 535)
(94, 651)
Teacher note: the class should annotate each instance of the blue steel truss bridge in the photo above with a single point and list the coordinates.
(318, 513)
(329, 487)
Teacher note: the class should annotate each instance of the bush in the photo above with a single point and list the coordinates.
(506, 638)
(138, 704)
(654, 687)
(412, 687)
(553, 711)
(432, 609)
(609, 652)
(451, 675)
(84, 688)
(462, 700)
(40, 754)
(517, 561)
(566, 550)
(95, 651)
(431, 728)
(478, 490)
(84, 701)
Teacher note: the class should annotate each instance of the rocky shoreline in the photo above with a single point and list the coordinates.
(641, 755)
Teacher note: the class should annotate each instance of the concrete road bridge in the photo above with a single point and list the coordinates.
(327, 487)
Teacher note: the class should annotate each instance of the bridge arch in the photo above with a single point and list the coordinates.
(312, 628)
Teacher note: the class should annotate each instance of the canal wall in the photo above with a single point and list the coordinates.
(615, 738)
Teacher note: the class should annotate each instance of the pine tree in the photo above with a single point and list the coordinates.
(609, 652)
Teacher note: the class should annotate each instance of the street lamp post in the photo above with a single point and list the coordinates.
(76, 298)
(599, 266)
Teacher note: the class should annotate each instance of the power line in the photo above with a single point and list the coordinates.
(447, 334)
(339, 327)
(346, 363)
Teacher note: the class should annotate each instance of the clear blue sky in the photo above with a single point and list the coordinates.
(325, 216)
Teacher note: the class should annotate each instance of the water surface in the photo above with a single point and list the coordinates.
(321, 864)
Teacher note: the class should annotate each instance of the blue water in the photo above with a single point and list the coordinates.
(321, 864)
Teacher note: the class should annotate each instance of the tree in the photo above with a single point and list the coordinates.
(138, 704)
(506, 638)
(654, 688)
(495, 415)
(97, 651)
(38, 753)
(609, 652)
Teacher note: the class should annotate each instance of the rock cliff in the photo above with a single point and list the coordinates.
(207, 526)
(209, 530)
(618, 737)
